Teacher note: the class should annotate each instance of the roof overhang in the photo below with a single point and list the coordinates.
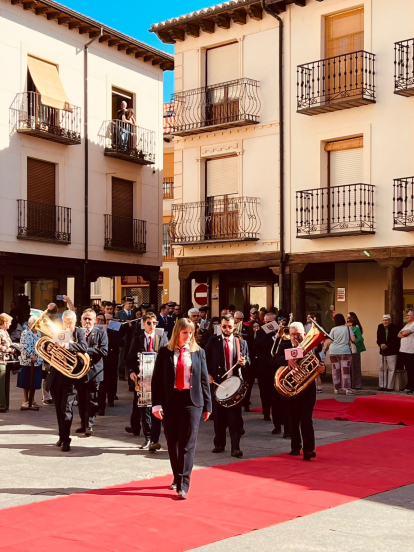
(81, 24)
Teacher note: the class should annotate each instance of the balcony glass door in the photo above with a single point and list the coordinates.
(41, 199)
(122, 214)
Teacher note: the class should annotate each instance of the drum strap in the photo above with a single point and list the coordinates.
(157, 343)
(237, 340)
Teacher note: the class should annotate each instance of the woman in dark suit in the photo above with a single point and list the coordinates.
(180, 393)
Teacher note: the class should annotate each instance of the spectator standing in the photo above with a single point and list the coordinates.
(5, 347)
(358, 348)
(339, 344)
(389, 345)
(407, 351)
(28, 341)
(319, 389)
(308, 324)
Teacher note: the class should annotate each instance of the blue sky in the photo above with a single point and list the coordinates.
(135, 17)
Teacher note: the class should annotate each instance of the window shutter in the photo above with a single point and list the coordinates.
(346, 166)
(122, 198)
(223, 64)
(344, 32)
(222, 176)
(41, 181)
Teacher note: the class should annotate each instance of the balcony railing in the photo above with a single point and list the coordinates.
(336, 211)
(128, 142)
(42, 222)
(339, 82)
(404, 67)
(403, 212)
(168, 188)
(30, 116)
(216, 220)
(125, 234)
(167, 252)
(224, 105)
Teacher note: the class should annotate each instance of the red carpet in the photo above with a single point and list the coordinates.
(224, 501)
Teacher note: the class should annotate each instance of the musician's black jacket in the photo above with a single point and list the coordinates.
(216, 363)
(79, 345)
(138, 345)
(163, 380)
(279, 359)
(115, 341)
(265, 344)
(97, 350)
(167, 325)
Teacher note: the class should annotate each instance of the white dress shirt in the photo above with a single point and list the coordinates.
(147, 336)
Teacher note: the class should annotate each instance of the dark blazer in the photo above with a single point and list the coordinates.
(139, 345)
(163, 380)
(79, 345)
(167, 325)
(216, 363)
(97, 350)
(122, 315)
(115, 341)
(265, 343)
(393, 341)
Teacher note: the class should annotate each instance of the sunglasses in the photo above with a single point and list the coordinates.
(148, 323)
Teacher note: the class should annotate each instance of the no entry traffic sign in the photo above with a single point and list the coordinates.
(200, 295)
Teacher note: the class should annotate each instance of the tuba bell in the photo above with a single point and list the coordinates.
(72, 365)
(290, 381)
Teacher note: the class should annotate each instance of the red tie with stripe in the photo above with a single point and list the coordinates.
(228, 353)
(179, 373)
(149, 344)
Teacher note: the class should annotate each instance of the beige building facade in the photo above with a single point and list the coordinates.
(80, 190)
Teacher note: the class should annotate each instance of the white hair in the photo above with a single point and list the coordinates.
(193, 311)
(239, 314)
(69, 314)
(298, 326)
(32, 320)
(271, 314)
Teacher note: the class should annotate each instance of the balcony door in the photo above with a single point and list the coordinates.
(222, 214)
(222, 66)
(344, 34)
(122, 213)
(41, 199)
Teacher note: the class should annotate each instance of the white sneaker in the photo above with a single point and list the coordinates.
(25, 405)
(336, 391)
(349, 392)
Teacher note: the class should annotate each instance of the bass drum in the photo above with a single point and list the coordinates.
(231, 392)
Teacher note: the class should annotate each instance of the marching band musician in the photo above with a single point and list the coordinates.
(300, 406)
(62, 387)
(88, 386)
(195, 316)
(180, 393)
(222, 353)
(148, 342)
(164, 321)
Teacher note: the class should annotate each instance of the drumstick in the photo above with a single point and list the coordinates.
(218, 385)
(232, 368)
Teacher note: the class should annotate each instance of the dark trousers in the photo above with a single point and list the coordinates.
(407, 361)
(301, 410)
(63, 394)
(136, 415)
(250, 378)
(280, 410)
(181, 422)
(4, 387)
(265, 397)
(107, 387)
(151, 425)
(227, 418)
(87, 401)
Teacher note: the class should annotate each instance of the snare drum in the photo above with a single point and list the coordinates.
(233, 393)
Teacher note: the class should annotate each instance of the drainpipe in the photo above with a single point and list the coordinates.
(282, 301)
(86, 138)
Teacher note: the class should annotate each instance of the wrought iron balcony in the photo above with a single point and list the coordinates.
(167, 252)
(42, 222)
(403, 212)
(336, 211)
(336, 83)
(125, 234)
(30, 116)
(222, 219)
(404, 67)
(168, 188)
(128, 142)
(224, 105)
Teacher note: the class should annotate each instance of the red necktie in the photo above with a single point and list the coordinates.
(149, 345)
(87, 334)
(179, 374)
(227, 353)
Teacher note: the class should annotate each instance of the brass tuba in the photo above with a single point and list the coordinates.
(290, 381)
(72, 365)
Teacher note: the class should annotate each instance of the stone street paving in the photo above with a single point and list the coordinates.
(33, 469)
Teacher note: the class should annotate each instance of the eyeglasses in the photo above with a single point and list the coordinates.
(227, 327)
(151, 323)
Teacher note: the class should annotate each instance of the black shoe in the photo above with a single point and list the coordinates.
(146, 445)
(80, 430)
(277, 431)
(65, 447)
(247, 409)
(116, 398)
(294, 452)
(111, 404)
(286, 436)
(101, 412)
(218, 449)
(122, 379)
(237, 454)
(133, 431)
(182, 494)
(58, 443)
(89, 432)
(154, 447)
(3, 410)
(267, 419)
(242, 432)
(309, 455)
(381, 388)
(48, 402)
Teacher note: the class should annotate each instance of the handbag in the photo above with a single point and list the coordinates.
(352, 345)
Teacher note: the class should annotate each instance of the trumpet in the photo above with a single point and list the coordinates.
(283, 334)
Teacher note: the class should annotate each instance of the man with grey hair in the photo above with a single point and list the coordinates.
(407, 351)
(62, 387)
(389, 345)
(194, 316)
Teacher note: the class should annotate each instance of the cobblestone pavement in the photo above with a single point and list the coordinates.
(33, 469)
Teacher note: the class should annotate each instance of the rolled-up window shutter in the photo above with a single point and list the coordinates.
(345, 144)
(47, 81)
(222, 176)
(41, 181)
(223, 64)
(344, 32)
(122, 198)
(346, 166)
